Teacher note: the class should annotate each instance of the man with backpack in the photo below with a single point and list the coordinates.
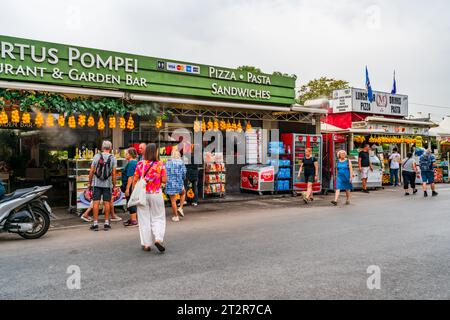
(427, 163)
(102, 177)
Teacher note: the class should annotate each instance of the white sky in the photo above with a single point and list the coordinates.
(307, 38)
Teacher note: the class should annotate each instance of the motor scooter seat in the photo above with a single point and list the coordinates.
(16, 194)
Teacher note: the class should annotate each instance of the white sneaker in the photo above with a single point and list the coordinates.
(88, 219)
(116, 219)
(194, 204)
(175, 219)
(180, 212)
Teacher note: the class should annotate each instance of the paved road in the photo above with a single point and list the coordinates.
(275, 249)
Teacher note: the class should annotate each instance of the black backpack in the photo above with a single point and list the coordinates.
(103, 170)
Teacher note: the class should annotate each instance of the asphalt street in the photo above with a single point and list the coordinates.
(277, 249)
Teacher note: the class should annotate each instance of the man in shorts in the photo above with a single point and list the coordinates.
(102, 177)
(365, 166)
(427, 163)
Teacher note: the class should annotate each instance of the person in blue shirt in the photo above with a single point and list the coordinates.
(176, 174)
(427, 163)
(127, 182)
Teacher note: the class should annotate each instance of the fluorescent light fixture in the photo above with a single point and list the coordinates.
(162, 99)
(61, 89)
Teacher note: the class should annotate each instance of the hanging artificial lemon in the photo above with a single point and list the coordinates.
(223, 125)
(197, 126)
(15, 116)
(101, 123)
(71, 122)
(234, 126)
(91, 121)
(239, 127)
(216, 125)
(3, 118)
(112, 122)
(210, 125)
(228, 125)
(26, 118)
(158, 123)
(248, 126)
(81, 120)
(130, 123)
(203, 126)
(122, 123)
(50, 121)
(39, 121)
(61, 121)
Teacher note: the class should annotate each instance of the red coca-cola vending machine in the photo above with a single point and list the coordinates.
(296, 144)
(332, 143)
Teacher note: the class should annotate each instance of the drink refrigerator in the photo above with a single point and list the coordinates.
(332, 143)
(258, 178)
(297, 144)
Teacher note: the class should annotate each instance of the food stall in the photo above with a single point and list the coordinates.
(442, 135)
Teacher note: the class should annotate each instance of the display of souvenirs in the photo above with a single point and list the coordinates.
(215, 178)
(215, 167)
(214, 189)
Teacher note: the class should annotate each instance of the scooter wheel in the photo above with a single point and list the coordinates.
(41, 226)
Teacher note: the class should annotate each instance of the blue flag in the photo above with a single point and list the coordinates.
(394, 86)
(369, 87)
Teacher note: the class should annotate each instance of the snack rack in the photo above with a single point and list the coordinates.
(214, 175)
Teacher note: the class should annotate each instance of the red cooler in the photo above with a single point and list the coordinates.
(258, 178)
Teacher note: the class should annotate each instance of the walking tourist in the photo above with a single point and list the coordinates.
(395, 161)
(102, 177)
(192, 178)
(141, 151)
(176, 174)
(364, 166)
(344, 177)
(127, 182)
(427, 163)
(310, 166)
(409, 173)
(152, 215)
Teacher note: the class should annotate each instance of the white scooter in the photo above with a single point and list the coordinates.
(26, 212)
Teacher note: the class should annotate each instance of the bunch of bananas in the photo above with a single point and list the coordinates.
(210, 125)
(26, 118)
(61, 121)
(216, 125)
(100, 123)
(15, 116)
(39, 121)
(203, 126)
(248, 127)
(197, 126)
(122, 123)
(112, 122)
(50, 121)
(71, 122)
(3, 118)
(91, 121)
(222, 125)
(81, 120)
(130, 123)
(158, 123)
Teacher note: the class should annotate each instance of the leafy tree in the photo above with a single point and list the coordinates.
(249, 69)
(320, 88)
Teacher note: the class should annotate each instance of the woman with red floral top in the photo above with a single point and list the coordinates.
(151, 216)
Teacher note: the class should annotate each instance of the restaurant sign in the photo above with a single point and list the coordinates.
(356, 100)
(43, 62)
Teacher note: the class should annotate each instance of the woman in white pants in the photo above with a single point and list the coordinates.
(151, 216)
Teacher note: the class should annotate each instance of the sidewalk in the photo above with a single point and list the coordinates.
(65, 220)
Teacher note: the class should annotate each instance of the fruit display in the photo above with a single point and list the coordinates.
(130, 123)
(50, 121)
(71, 122)
(3, 118)
(390, 140)
(112, 122)
(122, 123)
(100, 123)
(39, 121)
(158, 123)
(197, 126)
(61, 121)
(203, 126)
(15, 116)
(26, 118)
(91, 121)
(81, 120)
